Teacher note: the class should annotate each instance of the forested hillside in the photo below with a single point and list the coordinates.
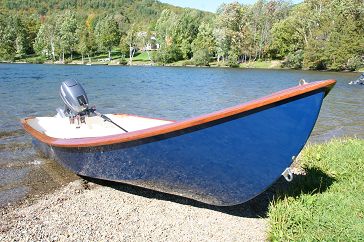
(143, 12)
(324, 34)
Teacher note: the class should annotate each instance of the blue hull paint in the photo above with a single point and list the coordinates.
(226, 162)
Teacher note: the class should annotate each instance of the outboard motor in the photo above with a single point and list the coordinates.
(77, 107)
(74, 96)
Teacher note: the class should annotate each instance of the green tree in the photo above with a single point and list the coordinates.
(47, 42)
(222, 43)
(68, 33)
(86, 39)
(186, 30)
(124, 47)
(107, 34)
(7, 38)
(131, 40)
(201, 57)
(21, 40)
(329, 34)
(294, 60)
(32, 25)
(165, 27)
(204, 45)
(168, 54)
(227, 27)
(205, 38)
(287, 38)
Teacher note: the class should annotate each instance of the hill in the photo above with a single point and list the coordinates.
(143, 13)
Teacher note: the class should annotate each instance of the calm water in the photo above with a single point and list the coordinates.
(171, 93)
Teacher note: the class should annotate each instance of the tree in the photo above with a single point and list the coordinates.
(21, 40)
(68, 33)
(123, 22)
(345, 42)
(124, 47)
(165, 27)
(168, 54)
(82, 46)
(165, 30)
(227, 26)
(201, 57)
(86, 44)
(204, 45)
(186, 30)
(331, 44)
(7, 38)
(107, 34)
(286, 38)
(32, 25)
(222, 43)
(47, 42)
(131, 41)
(328, 34)
(294, 60)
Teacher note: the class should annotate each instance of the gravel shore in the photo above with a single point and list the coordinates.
(86, 211)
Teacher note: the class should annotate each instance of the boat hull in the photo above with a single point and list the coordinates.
(224, 162)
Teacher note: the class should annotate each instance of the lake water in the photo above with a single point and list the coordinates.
(164, 92)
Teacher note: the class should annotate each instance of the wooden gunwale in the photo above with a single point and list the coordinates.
(179, 125)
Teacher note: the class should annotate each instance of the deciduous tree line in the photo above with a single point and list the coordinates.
(323, 34)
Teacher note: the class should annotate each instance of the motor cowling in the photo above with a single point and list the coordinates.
(74, 97)
(77, 106)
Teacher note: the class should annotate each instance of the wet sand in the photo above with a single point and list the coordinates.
(85, 210)
(30, 179)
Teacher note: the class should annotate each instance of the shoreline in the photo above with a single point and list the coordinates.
(112, 211)
(267, 65)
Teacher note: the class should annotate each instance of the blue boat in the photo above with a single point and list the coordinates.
(223, 158)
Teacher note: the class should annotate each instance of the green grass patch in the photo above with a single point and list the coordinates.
(36, 59)
(327, 203)
(182, 63)
(262, 64)
(143, 56)
(103, 56)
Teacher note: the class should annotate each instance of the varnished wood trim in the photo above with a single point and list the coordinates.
(168, 128)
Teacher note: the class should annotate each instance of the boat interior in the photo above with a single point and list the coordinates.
(58, 127)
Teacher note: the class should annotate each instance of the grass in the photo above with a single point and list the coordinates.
(143, 56)
(326, 204)
(262, 64)
(31, 59)
(117, 55)
(181, 63)
(273, 64)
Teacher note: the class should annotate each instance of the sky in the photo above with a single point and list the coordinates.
(208, 5)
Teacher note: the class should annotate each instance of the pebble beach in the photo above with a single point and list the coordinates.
(87, 211)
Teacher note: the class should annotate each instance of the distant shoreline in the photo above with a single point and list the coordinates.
(270, 65)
